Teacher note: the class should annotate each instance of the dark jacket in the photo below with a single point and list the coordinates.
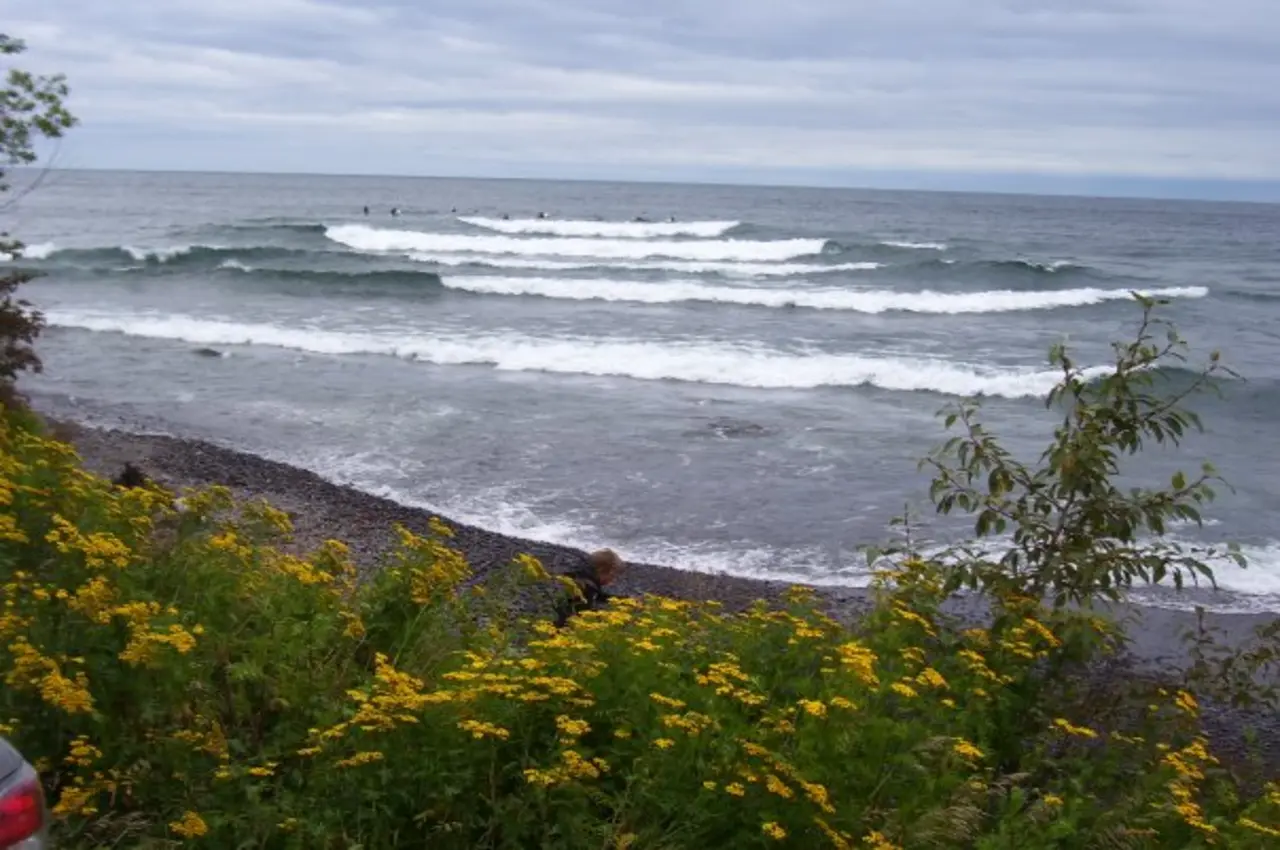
(593, 595)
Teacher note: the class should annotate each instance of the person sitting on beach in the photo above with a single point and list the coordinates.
(131, 477)
(599, 571)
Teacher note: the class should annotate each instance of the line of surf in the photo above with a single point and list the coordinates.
(860, 301)
(606, 229)
(725, 269)
(915, 246)
(363, 238)
(651, 360)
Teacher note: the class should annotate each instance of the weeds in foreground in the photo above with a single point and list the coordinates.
(180, 678)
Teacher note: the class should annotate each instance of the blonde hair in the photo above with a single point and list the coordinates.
(606, 564)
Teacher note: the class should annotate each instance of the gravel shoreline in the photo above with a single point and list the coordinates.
(322, 509)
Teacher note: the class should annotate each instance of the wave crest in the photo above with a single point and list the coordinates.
(371, 239)
(739, 365)
(860, 301)
(725, 269)
(607, 229)
(915, 246)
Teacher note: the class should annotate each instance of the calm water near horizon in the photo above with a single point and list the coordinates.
(745, 388)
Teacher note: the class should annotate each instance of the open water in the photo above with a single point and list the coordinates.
(744, 388)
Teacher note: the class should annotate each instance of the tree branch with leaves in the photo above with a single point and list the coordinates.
(32, 108)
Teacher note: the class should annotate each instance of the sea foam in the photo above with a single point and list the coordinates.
(861, 301)
(364, 238)
(609, 229)
(724, 269)
(653, 360)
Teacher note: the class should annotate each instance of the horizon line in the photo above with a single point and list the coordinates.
(746, 184)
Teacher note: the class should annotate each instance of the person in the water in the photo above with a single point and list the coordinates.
(395, 211)
(366, 210)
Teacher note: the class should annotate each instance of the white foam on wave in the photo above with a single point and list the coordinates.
(159, 255)
(918, 246)
(364, 238)
(607, 229)
(1261, 576)
(235, 265)
(738, 365)
(39, 251)
(726, 269)
(865, 301)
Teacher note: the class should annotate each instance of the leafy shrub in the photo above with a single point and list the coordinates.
(31, 107)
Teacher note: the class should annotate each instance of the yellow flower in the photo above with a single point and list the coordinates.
(771, 829)
(669, 702)
(622, 734)
(967, 750)
(1187, 703)
(709, 785)
(877, 841)
(735, 789)
(287, 825)
(839, 840)
(1249, 823)
(814, 707)
(1053, 801)
(861, 660)
(776, 786)
(841, 702)
(268, 769)
(570, 728)
(190, 825)
(479, 729)
(818, 795)
(903, 689)
(360, 758)
(664, 743)
(932, 678)
(1070, 729)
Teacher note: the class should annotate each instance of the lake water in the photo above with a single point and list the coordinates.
(743, 381)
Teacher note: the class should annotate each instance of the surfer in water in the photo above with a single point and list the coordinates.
(542, 215)
(395, 211)
(366, 210)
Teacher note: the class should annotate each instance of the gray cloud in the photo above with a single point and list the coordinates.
(1149, 88)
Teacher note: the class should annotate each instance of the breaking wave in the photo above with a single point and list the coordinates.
(916, 246)
(726, 269)
(710, 363)
(607, 229)
(363, 238)
(40, 251)
(864, 301)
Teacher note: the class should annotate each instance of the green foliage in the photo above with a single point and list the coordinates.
(1076, 534)
(177, 676)
(31, 107)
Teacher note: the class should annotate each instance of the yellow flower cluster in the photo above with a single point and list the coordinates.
(190, 825)
(861, 660)
(31, 669)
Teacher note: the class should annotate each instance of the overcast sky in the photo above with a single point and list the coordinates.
(1117, 96)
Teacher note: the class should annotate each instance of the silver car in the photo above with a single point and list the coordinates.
(24, 821)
